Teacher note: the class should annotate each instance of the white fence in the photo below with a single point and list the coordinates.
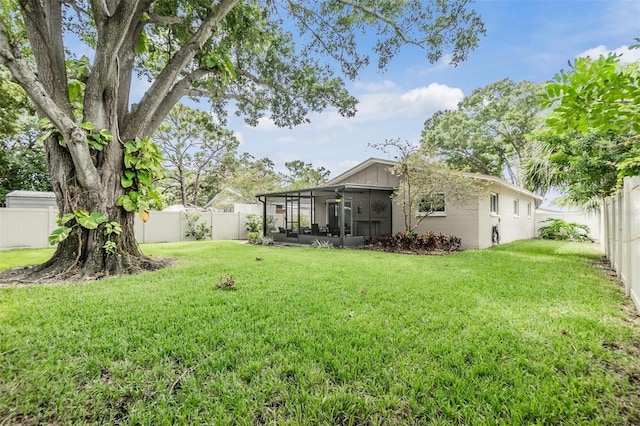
(621, 236)
(592, 220)
(22, 228)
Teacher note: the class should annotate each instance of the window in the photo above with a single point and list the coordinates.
(434, 205)
(529, 210)
(516, 208)
(493, 202)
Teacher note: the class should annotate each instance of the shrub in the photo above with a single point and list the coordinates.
(254, 223)
(198, 231)
(266, 241)
(404, 241)
(558, 229)
(254, 237)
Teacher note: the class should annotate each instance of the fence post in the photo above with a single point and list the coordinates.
(211, 224)
(625, 260)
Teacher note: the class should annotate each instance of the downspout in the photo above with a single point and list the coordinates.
(312, 207)
(299, 224)
(391, 214)
(264, 215)
(370, 224)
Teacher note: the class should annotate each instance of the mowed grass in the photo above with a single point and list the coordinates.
(525, 333)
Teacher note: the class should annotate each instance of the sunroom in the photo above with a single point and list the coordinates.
(344, 215)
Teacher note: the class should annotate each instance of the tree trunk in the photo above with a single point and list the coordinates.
(83, 254)
(183, 186)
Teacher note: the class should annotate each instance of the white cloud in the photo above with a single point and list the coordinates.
(393, 104)
(627, 55)
(438, 95)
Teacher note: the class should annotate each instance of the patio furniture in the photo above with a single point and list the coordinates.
(315, 230)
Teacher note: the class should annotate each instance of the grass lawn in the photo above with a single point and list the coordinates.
(529, 332)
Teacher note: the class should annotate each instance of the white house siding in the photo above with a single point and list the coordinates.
(459, 221)
(512, 227)
(473, 223)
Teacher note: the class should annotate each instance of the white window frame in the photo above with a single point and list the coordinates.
(529, 210)
(442, 212)
(494, 210)
(516, 207)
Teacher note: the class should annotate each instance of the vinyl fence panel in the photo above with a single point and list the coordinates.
(622, 235)
(30, 227)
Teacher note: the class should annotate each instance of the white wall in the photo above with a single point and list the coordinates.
(22, 228)
(26, 227)
(592, 220)
(473, 222)
(461, 221)
(512, 227)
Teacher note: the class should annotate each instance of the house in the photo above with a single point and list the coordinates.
(31, 199)
(357, 204)
(230, 200)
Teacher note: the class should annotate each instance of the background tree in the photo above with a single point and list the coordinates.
(22, 158)
(194, 147)
(426, 185)
(591, 137)
(249, 177)
(488, 133)
(303, 175)
(99, 155)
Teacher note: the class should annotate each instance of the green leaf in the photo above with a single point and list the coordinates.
(126, 203)
(97, 145)
(231, 70)
(143, 43)
(76, 91)
(58, 235)
(65, 219)
(87, 125)
(88, 223)
(106, 135)
(112, 228)
(126, 182)
(81, 213)
(99, 217)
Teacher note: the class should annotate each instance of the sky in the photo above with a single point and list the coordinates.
(526, 40)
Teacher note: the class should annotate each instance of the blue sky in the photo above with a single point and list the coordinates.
(526, 40)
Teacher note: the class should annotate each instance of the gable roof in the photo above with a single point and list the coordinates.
(371, 161)
(358, 168)
(503, 182)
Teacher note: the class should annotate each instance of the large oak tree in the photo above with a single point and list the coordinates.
(236, 53)
(488, 132)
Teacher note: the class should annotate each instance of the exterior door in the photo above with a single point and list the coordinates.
(333, 216)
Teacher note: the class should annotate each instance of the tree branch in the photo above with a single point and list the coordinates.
(75, 137)
(43, 22)
(102, 86)
(164, 20)
(153, 106)
(396, 28)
